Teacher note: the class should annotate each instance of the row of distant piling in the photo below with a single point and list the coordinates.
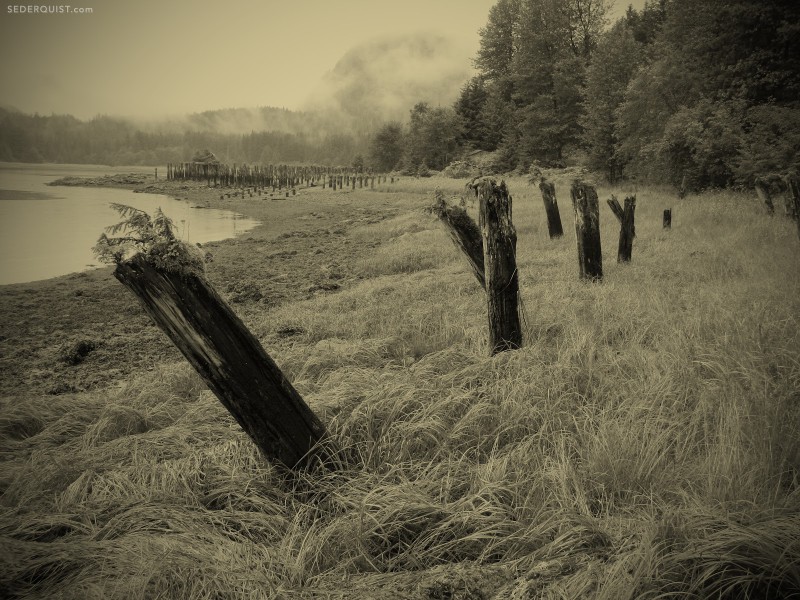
(333, 182)
(274, 177)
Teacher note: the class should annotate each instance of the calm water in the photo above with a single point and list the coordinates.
(49, 231)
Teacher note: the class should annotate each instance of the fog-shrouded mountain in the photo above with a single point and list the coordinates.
(379, 80)
(382, 79)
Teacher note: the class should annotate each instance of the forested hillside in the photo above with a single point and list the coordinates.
(699, 92)
(262, 135)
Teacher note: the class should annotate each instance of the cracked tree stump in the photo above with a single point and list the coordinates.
(587, 230)
(231, 361)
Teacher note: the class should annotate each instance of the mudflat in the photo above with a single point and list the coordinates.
(301, 248)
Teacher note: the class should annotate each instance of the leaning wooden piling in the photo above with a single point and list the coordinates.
(793, 199)
(230, 360)
(464, 233)
(627, 230)
(548, 190)
(762, 190)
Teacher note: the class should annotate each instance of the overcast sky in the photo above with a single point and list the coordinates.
(152, 58)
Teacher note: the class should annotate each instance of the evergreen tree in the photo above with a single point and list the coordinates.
(498, 40)
(614, 63)
(497, 117)
(555, 41)
(432, 138)
(386, 149)
(470, 107)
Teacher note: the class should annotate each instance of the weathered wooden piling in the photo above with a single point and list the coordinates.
(230, 360)
(682, 187)
(500, 264)
(464, 233)
(773, 186)
(587, 230)
(627, 229)
(762, 189)
(793, 199)
(554, 227)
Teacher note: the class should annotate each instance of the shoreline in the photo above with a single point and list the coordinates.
(299, 249)
(136, 183)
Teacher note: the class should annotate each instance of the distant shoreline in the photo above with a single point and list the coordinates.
(25, 195)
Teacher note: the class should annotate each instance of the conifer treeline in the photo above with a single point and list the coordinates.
(704, 92)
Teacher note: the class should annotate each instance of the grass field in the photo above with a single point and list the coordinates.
(644, 443)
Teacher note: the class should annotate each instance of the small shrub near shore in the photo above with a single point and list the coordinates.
(74, 353)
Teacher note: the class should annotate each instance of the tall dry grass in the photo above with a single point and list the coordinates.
(642, 444)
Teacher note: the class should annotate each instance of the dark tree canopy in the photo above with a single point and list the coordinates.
(535, 54)
(432, 138)
(387, 147)
(716, 96)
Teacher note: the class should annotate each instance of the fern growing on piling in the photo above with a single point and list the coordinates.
(152, 237)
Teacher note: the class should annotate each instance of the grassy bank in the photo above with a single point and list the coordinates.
(643, 442)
